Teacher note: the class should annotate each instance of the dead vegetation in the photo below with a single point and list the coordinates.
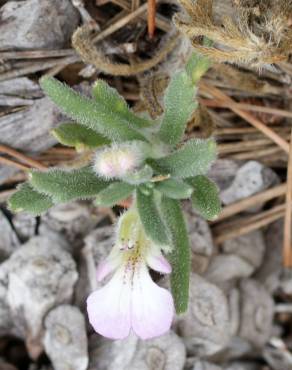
(260, 34)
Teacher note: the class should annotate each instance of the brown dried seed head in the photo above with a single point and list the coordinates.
(260, 35)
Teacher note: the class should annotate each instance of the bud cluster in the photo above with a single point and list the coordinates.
(118, 160)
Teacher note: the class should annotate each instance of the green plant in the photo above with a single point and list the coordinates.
(138, 157)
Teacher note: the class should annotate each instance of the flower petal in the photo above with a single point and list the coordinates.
(111, 263)
(152, 307)
(158, 263)
(103, 269)
(109, 308)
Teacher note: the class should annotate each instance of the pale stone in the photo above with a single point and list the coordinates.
(205, 327)
(37, 277)
(250, 179)
(250, 247)
(256, 312)
(65, 338)
(34, 24)
(163, 353)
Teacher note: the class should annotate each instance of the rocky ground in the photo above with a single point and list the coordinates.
(240, 309)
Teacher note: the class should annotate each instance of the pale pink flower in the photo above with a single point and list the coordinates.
(131, 301)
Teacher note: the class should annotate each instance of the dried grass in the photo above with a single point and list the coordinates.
(260, 35)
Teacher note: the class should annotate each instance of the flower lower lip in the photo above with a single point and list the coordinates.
(131, 300)
(133, 303)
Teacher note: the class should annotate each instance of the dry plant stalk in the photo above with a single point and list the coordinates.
(151, 17)
(261, 34)
(251, 201)
(246, 106)
(245, 225)
(83, 43)
(287, 247)
(28, 161)
(247, 116)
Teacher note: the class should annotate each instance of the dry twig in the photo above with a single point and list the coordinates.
(249, 107)
(36, 54)
(29, 67)
(251, 201)
(151, 17)
(287, 248)
(22, 157)
(247, 116)
(245, 225)
(10, 162)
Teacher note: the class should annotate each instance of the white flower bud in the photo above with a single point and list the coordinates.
(117, 161)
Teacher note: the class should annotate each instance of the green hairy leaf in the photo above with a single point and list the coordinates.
(180, 254)
(205, 197)
(109, 97)
(197, 66)
(150, 217)
(64, 186)
(29, 200)
(88, 112)
(175, 189)
(114, 193)
(179, 104)
(193, 158)
(78, 136)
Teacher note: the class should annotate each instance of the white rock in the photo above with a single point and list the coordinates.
(243, 366)
(250, 179)
(237, 348)
(6, 322)
(164, 353)
(21, 87)
(223, 172)
(36, 278)
(65, 338)
(205, 327)
(225, 267)
(6, 172)
(277, 355)
(269, 274)
(74, 220)
(111, 355)
(204, 365)
(33, 24)
(286, 282)
(19, 92)
(101, 242)
(200, 237)
(233, 297)
(25, 225)
(9, 241)
(250, 247)
(22, 129)
(256, 313)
